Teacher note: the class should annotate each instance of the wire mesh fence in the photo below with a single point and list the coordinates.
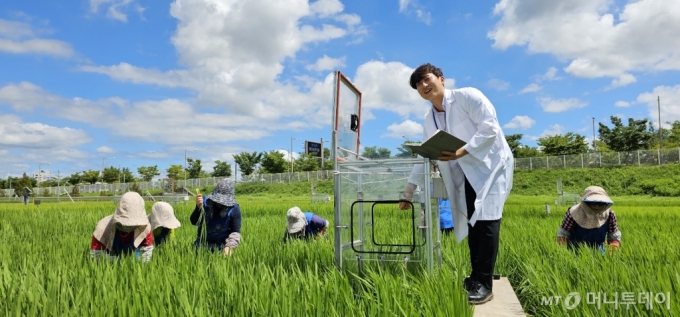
(600, 159)
(585, 160)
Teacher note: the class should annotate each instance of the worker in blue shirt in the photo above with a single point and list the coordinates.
(445, 216)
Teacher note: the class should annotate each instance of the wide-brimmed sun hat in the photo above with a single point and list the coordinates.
(223, 193)
(162, 215)
(295, 220)
(130, 213)
(596, 194)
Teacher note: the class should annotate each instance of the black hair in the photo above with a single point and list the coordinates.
(422, 71)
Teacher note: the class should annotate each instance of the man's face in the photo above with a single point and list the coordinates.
(431, 88)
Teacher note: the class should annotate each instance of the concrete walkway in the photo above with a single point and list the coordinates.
(504, 302)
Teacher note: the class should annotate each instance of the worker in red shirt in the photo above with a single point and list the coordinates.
(127, 231)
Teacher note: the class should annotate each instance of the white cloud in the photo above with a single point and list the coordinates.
(531, 88)
(327, 63)
(622, 104)
(520, 122)
(22, 38)
(105, 150)
(670, 103)
(234, 61)
(623, 80)
(385, 86)
(116, 9)
(409, 129)
(326, 8)
(137, 75)
(403, 4)
(168, 121)
(424, 16)
(550, 74)
(498, 84)
(15, 134)
(554, 129)
(598, 38)
(560, 105)
(153, 154)
(421, 14)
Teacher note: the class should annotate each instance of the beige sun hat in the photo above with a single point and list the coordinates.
(596, 194)
(162, 215)
(295, 220)
(585, 216)
(130, 213)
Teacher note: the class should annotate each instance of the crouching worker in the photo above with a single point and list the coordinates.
(163, 222)
(127, 231)
(591, 222)
(303, 225)
(445, 216)
(218, 218)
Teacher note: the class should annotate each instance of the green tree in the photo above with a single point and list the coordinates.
(221, 169)
(175, 171)
(22, 182)
(148, 172)
(638, 135)
(513, 142)
(405, 151)
(247, 161)
(194, 168)
(528, 151)
(373, 152)
(90, 176)
(111, 175)
(306, 163)
(570, 143)
(273, 162)
(126, 176)
(74, 179)
(670, 137)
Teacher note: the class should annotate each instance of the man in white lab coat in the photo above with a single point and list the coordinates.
(478, 176)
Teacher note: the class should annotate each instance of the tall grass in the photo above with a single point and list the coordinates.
(45, 267)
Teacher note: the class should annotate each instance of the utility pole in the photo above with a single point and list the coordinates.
(594, 147)
(659, 105)
(291, 156)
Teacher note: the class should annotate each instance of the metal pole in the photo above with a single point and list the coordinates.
(660, 139)
(58, 186)
(594, 147)
(291, 157)
(321, 155)
(185, 168)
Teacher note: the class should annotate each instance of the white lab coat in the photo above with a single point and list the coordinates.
(488, 166)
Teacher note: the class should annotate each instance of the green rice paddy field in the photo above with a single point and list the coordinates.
(45, 269)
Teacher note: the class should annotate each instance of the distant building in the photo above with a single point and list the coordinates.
(42, 175)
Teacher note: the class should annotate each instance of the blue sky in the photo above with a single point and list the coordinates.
(138, 82)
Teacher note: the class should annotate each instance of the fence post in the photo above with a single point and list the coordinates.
(619, 157)
(547, 163)
(531, 166)
(658, 151)
(564, 160)
(600, 156)
(581, 160)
